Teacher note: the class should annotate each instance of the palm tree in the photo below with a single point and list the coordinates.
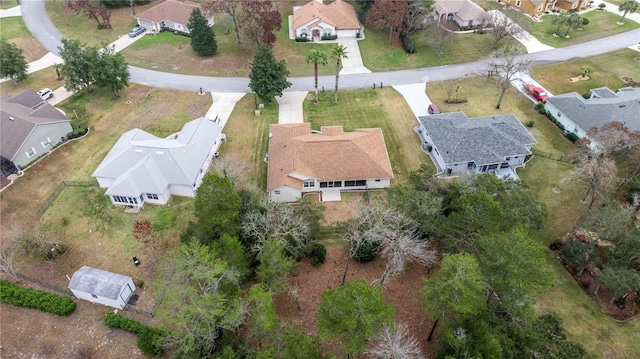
(337, 53)
(560, 20)
(575, 19)
(316, 57)
(586, 70)
(626, 7)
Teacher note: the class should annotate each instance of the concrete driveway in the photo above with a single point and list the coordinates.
(416, 98)
(353, 63)
(223, 105)
(524, 78)
(290, 104)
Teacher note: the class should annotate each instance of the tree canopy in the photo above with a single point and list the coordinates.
(388, 15)
(259, 21)
(268, 77)
(12, 62)
(217, 207)
(203, 39)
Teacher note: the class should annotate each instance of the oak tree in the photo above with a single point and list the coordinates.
(12, 62)
(259, 21)
(388, 15)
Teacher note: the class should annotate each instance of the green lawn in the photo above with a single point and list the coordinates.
(384, 108)
(608, 68)
(35, 81)
(13, 27)
(8, 4)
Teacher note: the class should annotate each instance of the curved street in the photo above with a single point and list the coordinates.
(38, 22)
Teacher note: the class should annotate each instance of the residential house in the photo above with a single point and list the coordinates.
(571, 4)
(318, 19)
(579, 115)
(490, 144)
(170, 15)
(325, 163)
(30, 128)
(465, 13)
(142, 168)
(102, 287)
(530, 7)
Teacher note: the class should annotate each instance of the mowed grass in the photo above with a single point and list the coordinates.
(35, 81)
(608, 68)
(8, 4)
(384, 108)
(14, 30)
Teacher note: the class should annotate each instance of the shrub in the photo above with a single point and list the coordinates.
(585, 21)
(302, 39)
(540, 107)
(586, 95)
(602, 6)
(317, 252)
(366, 252)
(572, 137)
(530, 123)
(36, 299)
(329, 37)
(117, 321)
(150, 341)
(408, 45)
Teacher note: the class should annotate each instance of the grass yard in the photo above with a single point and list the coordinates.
(608, 68)
(15, 31)
(8, 4)
(384, 108)
(35, 81)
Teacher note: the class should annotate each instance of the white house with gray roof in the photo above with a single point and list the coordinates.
(100, 286)
(579, 115)
(142, 168)
(490, 144)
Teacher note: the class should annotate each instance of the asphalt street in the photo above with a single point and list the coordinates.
(39, 24)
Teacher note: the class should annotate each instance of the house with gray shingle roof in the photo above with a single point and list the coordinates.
(100, 286)
(30, 128)
(142, 168)
(462, 12)
(579, 115)
(318, 19)
(490, 144)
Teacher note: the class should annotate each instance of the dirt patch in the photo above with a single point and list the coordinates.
(637, 58)
(311, 281)
(556, 190)
(579, 78)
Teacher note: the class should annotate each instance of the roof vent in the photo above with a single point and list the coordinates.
(621, 106)
(12, 118)
(138, 151)
(159, 153)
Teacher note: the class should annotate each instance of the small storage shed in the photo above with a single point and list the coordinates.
(100, 286)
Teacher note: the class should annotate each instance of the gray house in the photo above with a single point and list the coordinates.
(99, 286)
(142, 168)
(462, 12)
(490, 144)
(579, 115)
(170, 15)
(30, 128)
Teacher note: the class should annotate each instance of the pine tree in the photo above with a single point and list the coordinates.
(203, 39)
(268, 77)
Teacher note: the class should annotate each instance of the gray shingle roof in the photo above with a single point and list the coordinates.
(19, 116)
(143, 163)
(483, 140)
(596, 112)
(99, 282)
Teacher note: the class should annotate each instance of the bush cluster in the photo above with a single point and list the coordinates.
(78, 131)
(36, 299)
(408, 44)
(366, 251)
(329, 37)
(150, 340)
(317, 252)
(302, 39)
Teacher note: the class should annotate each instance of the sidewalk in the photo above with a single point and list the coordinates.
(12, 12)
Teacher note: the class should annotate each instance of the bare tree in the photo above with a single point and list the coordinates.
(442, 37)
(503, 68)
(232, 166)
(279, 221)
(502, 27)
(225, 6)
(599, 173)
(6, 260)
(403, 248)
(94, 10)
(394, 342)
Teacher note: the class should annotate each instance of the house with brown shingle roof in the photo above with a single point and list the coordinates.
(170, 15)
(318, 19)
(325, 163)
(30, 128)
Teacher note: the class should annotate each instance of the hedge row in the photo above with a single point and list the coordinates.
(78, 131)
(36, 299)
(301, 39)
(568, 134)
(150, 340)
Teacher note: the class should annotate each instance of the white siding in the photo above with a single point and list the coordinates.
(378, 183)
(286, 194)
(182, 190)
(566, 122)
(119, 303)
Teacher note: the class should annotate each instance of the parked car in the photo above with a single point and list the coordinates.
(45, 93)
(433, 109)
(137, 31)
(536, 92)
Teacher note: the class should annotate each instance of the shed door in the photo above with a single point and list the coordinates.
(126, 293)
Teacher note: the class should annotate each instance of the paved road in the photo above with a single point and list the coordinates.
(38, 22)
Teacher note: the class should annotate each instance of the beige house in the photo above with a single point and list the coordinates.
(303, 161)
(316, 19)
(539, 7)
(170, 15)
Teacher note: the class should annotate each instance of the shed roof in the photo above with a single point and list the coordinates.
(330, 155)
(483, 140)
(19, 115)
(170, 10)
(339, 13)
(621, 106)
(98, 282)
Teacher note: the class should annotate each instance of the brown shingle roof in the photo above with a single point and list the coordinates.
(340, 14)
(171, 10)
(332, 155)
(19, 116)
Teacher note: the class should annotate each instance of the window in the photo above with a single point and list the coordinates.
(152, 196)
(32, 152)
(358, 183)
(46, 143)
(331, 184)
(508, 158)
(492, 167)
(277, 193)
(559, 114)
(377, 180)
(326, 32)
(303, 32)
(540, 8)
(309, 183)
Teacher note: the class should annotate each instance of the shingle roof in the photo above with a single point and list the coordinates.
(339, 13)
(171, 10)
(99, 282)
(331, 155)
(596, 112)
(483, 140)
(19, 116)
(143, 163)
(464, 9)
